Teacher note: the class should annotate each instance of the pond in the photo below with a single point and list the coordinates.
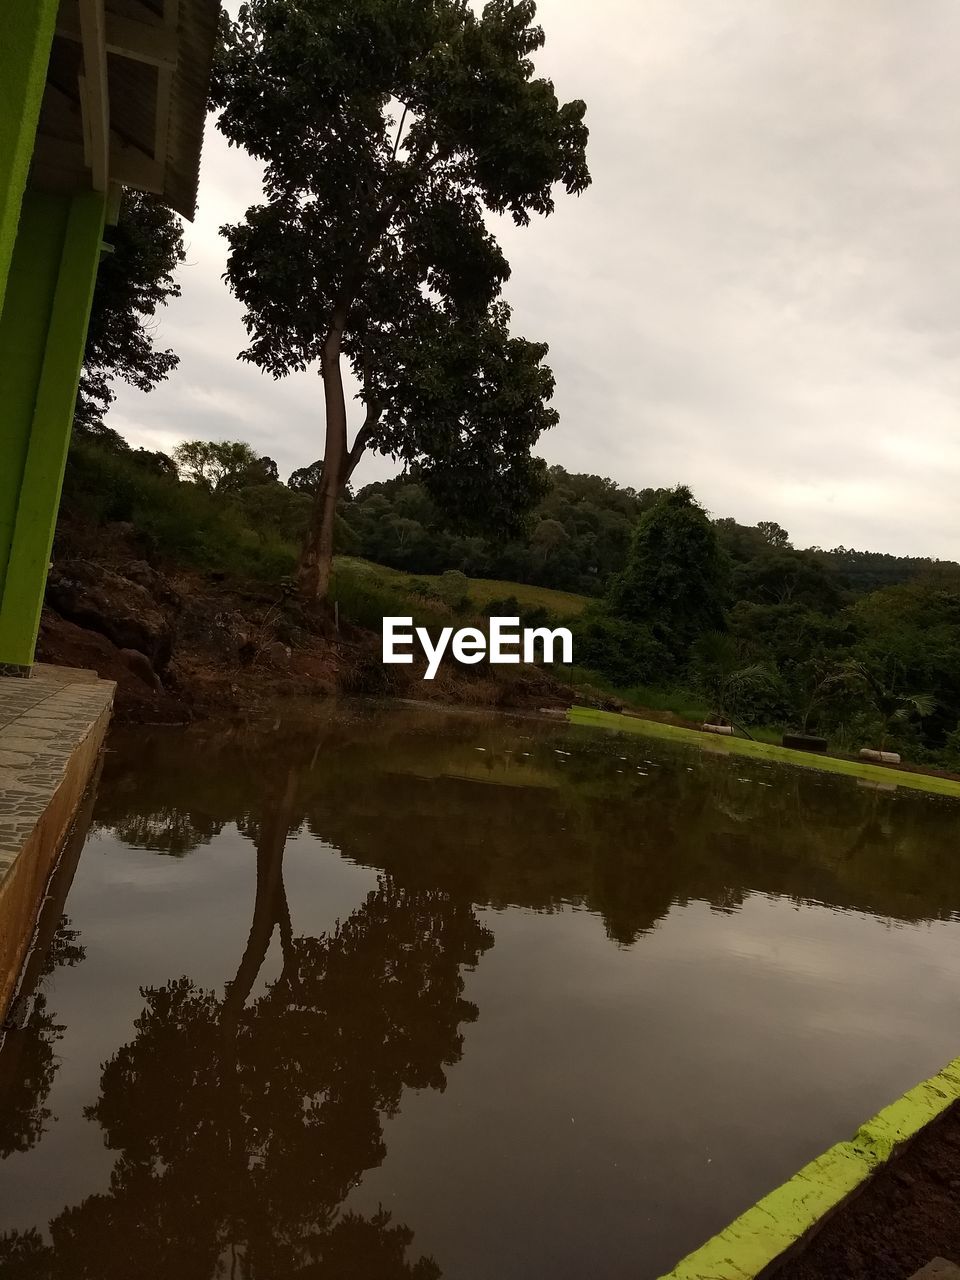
(402, 993)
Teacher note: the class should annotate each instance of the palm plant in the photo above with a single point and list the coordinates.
(818, 684)
(893, 708)
(722, 674)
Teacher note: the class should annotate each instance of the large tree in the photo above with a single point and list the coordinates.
(675, 578)
(135, 278)
(223, 466)
(387, 130)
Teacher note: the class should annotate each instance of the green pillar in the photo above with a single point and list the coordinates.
(43, 328)
(24, 54)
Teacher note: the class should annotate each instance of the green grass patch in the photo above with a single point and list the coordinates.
(587, 717)
(771, 733)
(367, 593)
(679, 702)
(684, 703)
(563, 604)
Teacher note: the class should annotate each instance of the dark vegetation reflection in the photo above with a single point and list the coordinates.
(28, 1053)
(241, 1125)
(30, 1033)
(560, 818)
(241, 1120)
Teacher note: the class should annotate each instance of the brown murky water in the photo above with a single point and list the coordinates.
(402, 994)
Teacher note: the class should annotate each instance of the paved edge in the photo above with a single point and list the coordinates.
(53, 730)
(719, 744)
(762, 1237)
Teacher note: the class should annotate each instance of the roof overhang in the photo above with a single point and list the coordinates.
(126, 98)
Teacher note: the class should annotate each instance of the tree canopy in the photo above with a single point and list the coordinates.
(675, 577)
(386, 132)
(134, 280)
(223, 465)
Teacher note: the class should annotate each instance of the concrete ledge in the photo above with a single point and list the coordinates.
(51, 730)
(759, 1240)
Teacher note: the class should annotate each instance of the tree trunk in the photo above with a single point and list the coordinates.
(270, 904)
(316, 559)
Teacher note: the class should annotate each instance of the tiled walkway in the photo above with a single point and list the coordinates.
(42, 721)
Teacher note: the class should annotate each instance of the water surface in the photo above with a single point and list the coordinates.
(377, 995)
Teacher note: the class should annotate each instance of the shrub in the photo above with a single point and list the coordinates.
(453, 588)
(951, 749)
(180, 523)
(530, 615)
(365, 599)
(624, 652)
(425, 590)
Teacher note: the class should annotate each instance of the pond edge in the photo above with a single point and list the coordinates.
(756, 1243)
(760, 1240)
(719, 745)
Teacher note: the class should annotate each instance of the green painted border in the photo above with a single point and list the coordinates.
(720, 743)
(780, 1221)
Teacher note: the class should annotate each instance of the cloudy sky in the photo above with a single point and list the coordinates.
(759, 295)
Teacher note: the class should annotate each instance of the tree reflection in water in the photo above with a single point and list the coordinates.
(242, 1120)
(28, 1061)
(241, 1124)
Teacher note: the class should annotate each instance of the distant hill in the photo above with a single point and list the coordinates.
(865, 571)
(579, 535)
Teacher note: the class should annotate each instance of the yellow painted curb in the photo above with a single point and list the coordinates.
(719, 744)
(775, 1224)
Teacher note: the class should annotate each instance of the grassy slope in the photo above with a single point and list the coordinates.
(370, 590)
(745, 747)
(481, 590)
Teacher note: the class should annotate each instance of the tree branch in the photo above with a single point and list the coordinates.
(396, 144)
(381, 225)
(363, 438)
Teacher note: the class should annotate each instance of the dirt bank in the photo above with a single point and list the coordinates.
(907, 1214)
(185, 646)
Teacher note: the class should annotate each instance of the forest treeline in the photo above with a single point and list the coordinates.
(579, 534)
(861, 646)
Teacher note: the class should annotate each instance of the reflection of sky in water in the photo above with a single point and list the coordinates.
(615, 1101)
(621, 1105)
